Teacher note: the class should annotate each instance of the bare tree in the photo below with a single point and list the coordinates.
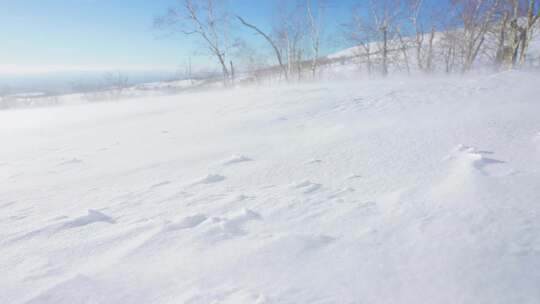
(477, 17)
(404, 46)
(385, 13)
(449, 49)
(533, 15)
(501, 33)
(254, 63)
(290, 33)
(361, 33)
(430, 55)
(522, 28)
(201, 18)
(417, 14)
(189, 71)
(315, 15)
(414, 7)
(446, 20)
(275, 48)
(514, 31)
(509, 34)
(373, 24)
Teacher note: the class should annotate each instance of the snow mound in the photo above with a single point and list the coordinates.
(470, 157)
(161, 184)
(236, 159)
(209, 179)
(313, 161)
(92, 217)
(226, 228)
(72, 161)
(307, 186)
(186, 223)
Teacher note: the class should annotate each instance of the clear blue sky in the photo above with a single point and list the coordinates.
(40, 34)
(77, 34)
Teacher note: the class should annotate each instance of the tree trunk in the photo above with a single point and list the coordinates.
(277, 52)
(404, 53)
(384, 30)
(369, 65)
(429, 64)
(500, 56)
(232, 72)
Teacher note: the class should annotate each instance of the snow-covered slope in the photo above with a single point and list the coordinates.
(390, 191)
(355, 57)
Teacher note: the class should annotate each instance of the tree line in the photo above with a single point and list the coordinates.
(387, 35)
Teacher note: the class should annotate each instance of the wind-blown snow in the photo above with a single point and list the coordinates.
(388, 191)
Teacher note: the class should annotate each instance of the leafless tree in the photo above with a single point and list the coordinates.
(361, 33)
(385, 13)
(315, 15)
(404, 47)
(255, 64)
(476, 17)
(373, 24)
(203, 19)
(449, 49)
(533, 15)
(271, 42)
(424, 54)
(189, 71)
(291, 32)
(414, 8)
(500, 32)
(524, 16)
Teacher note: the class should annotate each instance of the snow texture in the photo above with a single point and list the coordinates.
(383, 191)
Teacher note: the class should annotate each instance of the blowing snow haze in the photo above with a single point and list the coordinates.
(303, 151)
(66, 81)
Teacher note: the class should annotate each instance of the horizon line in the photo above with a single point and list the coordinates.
(18, 70)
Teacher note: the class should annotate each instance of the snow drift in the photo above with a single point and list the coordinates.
(391, 191)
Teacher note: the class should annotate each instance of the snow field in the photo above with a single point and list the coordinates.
(419, 190)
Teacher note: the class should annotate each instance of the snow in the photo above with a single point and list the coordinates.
(354, 57)
(210, 179)
(415, 190)
(236, 159)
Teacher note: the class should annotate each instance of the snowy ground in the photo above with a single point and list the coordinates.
(396, 191)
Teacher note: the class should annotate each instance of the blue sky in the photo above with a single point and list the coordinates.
(45, 35)
(84, 33)
(38, 35)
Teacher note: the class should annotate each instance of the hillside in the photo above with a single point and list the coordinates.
(414, 190)
(347, 64)
(403, 58)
